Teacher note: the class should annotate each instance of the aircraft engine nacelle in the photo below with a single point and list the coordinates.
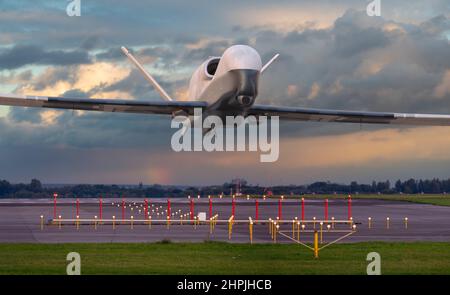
(210, 67)
(202, 77)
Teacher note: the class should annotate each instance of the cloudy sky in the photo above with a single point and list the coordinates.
(333, 55)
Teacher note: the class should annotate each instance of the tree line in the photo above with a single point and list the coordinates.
(35, 189)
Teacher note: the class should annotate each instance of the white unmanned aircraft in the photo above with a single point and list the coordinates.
(222, 86)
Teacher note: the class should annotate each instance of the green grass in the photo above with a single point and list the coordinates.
(441, 200)
(224, 258)
(433, 199)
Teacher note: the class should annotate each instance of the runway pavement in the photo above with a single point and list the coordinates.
(20, 221)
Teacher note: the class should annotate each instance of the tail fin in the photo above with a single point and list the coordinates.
(269, 62)
(147, 76)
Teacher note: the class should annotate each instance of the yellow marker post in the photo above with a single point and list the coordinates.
(95, 222)
(114, 222)
(149, 222)
(351, 222)
(298, 230)
(314, 222)
(230, 227)
(131, 222)
(370, 222)
(316, 244)
(332, 222)
(168, 222)
(59, 221)
(388, 222)
(78, 222)
(42, 222)
(406, 222)
(270, 226)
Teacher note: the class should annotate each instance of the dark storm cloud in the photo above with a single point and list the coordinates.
(337, 54)
(90, 43)
(110, 54)
(212, 48)
(136, 85)
(91, 130)
(356, 40)
(21, 55)
(142, 54)
(342, 62)
(436, 25)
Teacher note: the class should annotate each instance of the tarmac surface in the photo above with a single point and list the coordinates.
(20, 221)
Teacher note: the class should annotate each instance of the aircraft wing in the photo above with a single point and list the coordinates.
(103, 105)
(341, 116)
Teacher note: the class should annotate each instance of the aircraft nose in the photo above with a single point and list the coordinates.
(239, 57)
(247, 86)
(248, 83)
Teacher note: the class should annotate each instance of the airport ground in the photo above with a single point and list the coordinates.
(422, 246)
(20, 221)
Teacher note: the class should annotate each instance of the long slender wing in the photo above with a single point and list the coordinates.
(103, 105)
(324, 115)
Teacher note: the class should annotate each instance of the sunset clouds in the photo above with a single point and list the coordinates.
(332, 55)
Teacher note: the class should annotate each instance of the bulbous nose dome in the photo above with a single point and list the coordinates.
(239, 57)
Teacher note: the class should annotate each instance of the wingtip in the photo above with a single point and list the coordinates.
(124, 49)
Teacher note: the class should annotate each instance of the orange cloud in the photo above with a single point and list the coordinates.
(288, 17)
(364, 148)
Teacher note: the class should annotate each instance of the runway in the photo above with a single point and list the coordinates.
(20, 221)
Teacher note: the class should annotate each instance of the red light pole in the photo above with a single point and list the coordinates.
(349, 207)
(100, 213)
(168, 208)
(303, 209)
(55, 195)
(233, 207)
